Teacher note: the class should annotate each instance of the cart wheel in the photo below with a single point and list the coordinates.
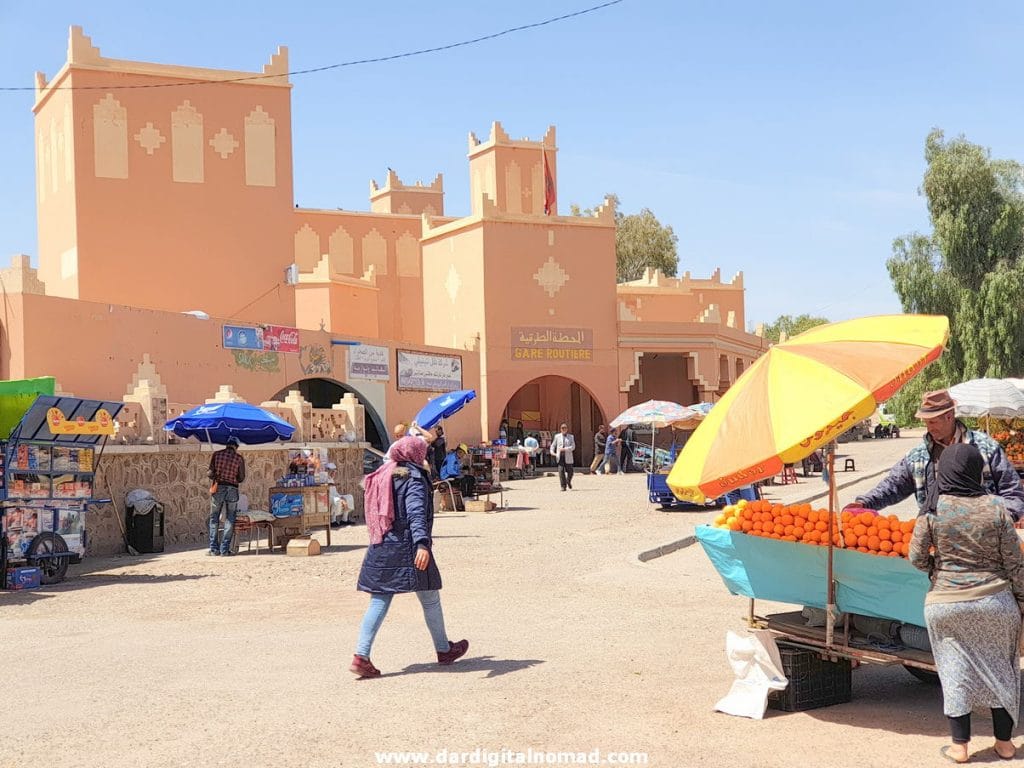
(52, 569)
(924, 675)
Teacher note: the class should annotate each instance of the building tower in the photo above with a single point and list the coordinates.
(511, 173)
(174, 197)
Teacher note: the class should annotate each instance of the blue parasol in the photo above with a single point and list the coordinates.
(443, 406)
(216, 422)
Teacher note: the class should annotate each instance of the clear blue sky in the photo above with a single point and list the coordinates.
(782, 139)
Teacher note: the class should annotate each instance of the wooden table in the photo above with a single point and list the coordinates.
(313, 510)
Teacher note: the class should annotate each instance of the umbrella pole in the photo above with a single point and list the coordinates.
(654, 463)
(830, 608)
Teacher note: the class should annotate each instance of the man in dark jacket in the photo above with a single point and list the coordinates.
(915, 472)
(438, 450)
(626, 439)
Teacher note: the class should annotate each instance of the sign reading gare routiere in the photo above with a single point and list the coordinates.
(547, 343)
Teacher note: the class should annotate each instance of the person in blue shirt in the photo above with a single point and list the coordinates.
(451, 470)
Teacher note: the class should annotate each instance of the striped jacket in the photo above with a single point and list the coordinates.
(916, 471)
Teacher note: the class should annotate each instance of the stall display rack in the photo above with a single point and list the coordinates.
(48, 480)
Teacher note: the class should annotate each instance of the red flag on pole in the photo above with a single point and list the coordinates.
(549, 186)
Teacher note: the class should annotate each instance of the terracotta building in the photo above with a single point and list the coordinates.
(167, 228)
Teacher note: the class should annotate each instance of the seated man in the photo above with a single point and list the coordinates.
(451, 470)
(340, 504)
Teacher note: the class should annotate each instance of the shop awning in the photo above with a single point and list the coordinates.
(79, 414)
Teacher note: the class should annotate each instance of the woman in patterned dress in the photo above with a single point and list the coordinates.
(968, 546)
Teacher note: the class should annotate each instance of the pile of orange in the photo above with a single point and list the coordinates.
(864, 531)
(1013, 443)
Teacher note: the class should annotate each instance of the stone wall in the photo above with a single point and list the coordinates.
(176, 476)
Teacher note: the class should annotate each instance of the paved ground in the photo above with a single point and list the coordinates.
(576, 645)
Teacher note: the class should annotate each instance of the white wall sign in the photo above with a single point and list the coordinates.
(369, 362)
(433, 373)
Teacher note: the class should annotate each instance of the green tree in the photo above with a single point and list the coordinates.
(641, 241)
(970, 267)
(791, 326)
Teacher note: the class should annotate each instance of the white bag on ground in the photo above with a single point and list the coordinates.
(755, 660)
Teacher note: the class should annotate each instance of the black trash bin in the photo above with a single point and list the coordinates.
(145, 532)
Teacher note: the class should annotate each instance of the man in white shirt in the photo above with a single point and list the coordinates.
(341, 505)
(561, 449)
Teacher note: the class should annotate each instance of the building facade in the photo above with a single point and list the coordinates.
(167, 223)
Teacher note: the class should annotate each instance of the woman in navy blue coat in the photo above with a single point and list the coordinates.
(400, 519)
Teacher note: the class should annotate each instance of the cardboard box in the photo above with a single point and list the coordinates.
(303, 547)
(480, 505)
(23, 578)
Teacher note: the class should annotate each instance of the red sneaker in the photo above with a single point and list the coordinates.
(455, 651)
(361, 667)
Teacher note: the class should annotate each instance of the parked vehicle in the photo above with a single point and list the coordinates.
(858, 431)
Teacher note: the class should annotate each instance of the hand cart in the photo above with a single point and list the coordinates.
(48, 473)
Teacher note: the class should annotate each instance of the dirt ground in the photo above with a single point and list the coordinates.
(180, 659)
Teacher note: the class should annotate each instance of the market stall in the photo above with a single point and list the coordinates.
(797, 398)
(998, 405)
(491, 464)
(301, 499)
(49, 467)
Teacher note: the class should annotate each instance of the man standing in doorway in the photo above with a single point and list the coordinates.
(227, 471)
(626, 449)
(599, 438)
(561, 449)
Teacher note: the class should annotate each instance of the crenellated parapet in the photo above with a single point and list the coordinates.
(605, 212)
(410, 199)
(499, 138)
(655, 278)
(83, 54)
(21, 277)
(80, 48)
(394, 184)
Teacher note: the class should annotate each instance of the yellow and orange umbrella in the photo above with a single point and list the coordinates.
(800, 395)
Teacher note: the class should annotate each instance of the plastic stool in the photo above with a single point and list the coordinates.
(788, 475)
(849, 465)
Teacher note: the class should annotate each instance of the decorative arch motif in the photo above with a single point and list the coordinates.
(375, 252)
(513, 188)
(341, 250)
(110, 138)
(187, 144)
(408, 251)
(260, 149)
(307, 248)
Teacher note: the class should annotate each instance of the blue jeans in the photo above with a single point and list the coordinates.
(430, 599)
(227, 497)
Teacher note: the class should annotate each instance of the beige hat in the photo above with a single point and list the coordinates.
(935, 404)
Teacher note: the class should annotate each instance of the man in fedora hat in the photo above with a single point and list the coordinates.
(915, 472)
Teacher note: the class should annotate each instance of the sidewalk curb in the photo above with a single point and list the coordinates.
(675, 546)
(666, 549)
(847, 484)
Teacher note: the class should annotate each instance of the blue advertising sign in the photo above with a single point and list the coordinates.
(242, 337)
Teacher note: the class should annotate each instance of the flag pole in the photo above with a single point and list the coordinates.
(543, 179)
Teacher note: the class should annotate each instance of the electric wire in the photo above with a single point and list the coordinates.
(353, 63)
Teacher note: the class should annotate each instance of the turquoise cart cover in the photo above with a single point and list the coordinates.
(788, 572)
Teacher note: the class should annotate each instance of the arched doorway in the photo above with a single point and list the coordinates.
(547, 401)
(324, 393)
(664, 376)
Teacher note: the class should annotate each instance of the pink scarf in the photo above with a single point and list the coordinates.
(379, 501)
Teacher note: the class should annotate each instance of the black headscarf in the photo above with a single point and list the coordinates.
(959, 474)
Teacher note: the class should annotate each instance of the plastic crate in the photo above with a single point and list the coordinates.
(23, 578)
(813, 681)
